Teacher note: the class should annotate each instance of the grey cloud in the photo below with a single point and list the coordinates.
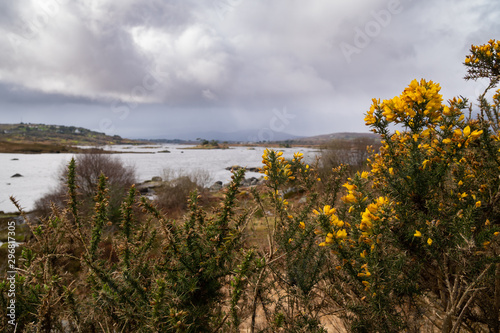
(230, 63)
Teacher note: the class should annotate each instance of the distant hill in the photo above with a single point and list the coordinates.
(255, 135)
(38, 138)
(325, 138)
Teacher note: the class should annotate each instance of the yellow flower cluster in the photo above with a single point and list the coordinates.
(340, 234)
(489, 51)
(352, 195)
(276, 166)
(368, 217)
(420, 98)
(496, 99)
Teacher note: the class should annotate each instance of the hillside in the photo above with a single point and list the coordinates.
(40, 138)
(320, 140)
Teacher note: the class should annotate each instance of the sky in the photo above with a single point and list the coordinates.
(174, 68)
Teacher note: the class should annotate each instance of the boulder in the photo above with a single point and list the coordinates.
(238, 167)
(217, 186)
(234, 167)
(156, 179)
(148, 186)
(16, 175)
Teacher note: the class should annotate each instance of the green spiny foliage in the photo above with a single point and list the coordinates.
(100, 216)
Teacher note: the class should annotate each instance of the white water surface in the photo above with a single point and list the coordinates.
(40, 171)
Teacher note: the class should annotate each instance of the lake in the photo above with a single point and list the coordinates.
(39, 171)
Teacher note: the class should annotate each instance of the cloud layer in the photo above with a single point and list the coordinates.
(162, 67)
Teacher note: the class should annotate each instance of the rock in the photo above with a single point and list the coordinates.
(14, 159)
(163, 151)
(16, 175)
(148, 186)
(252, 181)
(157, 179)
(217, 186)
(234, 167)
(238, 167)
(303, 200)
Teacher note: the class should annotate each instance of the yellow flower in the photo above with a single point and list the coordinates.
(335, 221)
(349, 198)
(349, 187)
(329, 238)
(478, 204)
(327, 210)
(341, 234)
(417, 233)
(302, 225)
(298, 156)
(476, 133)
(466, 131)
(365, 174)
(429, 241)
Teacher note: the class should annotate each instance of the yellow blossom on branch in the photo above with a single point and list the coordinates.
(341, 234)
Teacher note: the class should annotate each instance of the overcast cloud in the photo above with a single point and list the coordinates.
(170, 67)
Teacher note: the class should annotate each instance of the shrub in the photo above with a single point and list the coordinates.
(173, 194)
(418, 235)
(419, 231)
(152, 275)
(89, 167)
(351, 152)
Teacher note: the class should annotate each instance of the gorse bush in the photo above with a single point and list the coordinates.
(409, 243)
(153, 275)
(421, 229)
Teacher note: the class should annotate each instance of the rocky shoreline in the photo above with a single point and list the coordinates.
(148, 187)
